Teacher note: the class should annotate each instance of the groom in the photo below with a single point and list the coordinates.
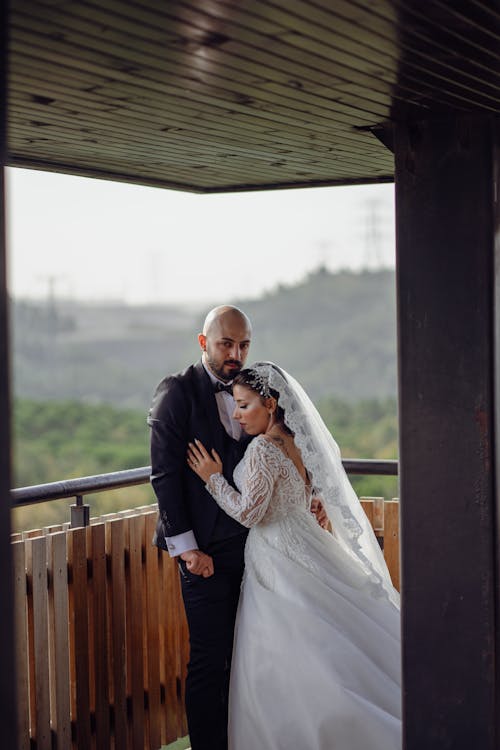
(208, 544)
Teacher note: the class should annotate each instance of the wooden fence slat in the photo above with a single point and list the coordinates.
(41, 644)
(176, 649)
(100, 637)
(172, 658)
(31, 647)
(32, 533)
(52, 643)
(53, 529)
(136, 618)
(162, 618)
(115, 541)
(21, 646)
(61, 714)
(378, 516)
(153, 640)
(391, 549)
(80, 642)
(367, 505)
(147, 509)
(183, 639)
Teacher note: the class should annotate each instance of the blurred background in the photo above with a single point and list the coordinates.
(109, 285)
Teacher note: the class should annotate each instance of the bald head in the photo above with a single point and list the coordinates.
(225, 341)
(225, 315)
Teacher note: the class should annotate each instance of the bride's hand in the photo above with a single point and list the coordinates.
(201, 462)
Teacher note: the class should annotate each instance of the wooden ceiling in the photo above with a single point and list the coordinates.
(217, 95)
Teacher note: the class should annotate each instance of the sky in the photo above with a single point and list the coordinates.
(95, 240)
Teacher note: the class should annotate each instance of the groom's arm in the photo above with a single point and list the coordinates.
(169, 422)
(169, 419)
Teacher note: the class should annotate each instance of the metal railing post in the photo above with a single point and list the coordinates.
(80, 513)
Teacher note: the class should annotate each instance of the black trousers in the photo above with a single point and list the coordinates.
(210, 605)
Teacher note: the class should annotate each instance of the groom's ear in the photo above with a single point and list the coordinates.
(202, 340)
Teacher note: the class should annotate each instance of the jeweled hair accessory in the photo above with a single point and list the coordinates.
(260, 383)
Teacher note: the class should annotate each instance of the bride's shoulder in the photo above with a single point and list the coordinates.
(261, 445)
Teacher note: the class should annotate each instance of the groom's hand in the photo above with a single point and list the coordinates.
(198, 563)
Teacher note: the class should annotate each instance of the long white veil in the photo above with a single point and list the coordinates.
(321, 456)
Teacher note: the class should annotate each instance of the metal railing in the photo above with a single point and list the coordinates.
(79, 487)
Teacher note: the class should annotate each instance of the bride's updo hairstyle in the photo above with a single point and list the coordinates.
(256, 381)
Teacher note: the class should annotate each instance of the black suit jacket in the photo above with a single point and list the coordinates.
(184, 408)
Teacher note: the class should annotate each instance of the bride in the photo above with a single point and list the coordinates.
(316, 658)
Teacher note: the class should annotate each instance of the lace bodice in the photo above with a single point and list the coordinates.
(269, 485)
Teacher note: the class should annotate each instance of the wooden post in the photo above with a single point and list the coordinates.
(8, 719)
(448, 297)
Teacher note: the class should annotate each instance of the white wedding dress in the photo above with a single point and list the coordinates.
(316, 660)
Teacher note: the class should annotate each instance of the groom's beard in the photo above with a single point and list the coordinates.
(218, 370)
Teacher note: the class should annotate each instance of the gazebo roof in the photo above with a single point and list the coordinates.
(218, 95)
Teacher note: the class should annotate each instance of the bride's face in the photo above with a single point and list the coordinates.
(250, 412)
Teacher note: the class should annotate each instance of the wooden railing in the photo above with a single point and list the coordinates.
(384, 518)
(102, 643)
(101, 637)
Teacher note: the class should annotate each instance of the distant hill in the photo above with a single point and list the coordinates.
(336, 333)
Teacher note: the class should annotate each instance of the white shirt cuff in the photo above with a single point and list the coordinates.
(180, 543)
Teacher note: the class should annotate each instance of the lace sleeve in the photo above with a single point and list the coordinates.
(260, 471)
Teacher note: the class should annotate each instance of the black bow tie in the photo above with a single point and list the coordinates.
(218, 387)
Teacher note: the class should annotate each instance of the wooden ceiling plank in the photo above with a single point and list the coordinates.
(195, 187)
(280, 150)
(109, 20)
(364, 15)
(248, 166)
(181, 145)
(448, 41)
(325, 99)
(49, 131)
(122, 41)
(176, 118)
(271, 120)
(289, 92)
(458, 83)
(413, 36)
(87, 123)
(313, 23)
(489, 27)
(50, 89)
(186, 29)
(472, 75)
(183, 93)
(229, 46)
(312, 100)
(28, 144)
(283, 54)
(290, 88)
(279, 155)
